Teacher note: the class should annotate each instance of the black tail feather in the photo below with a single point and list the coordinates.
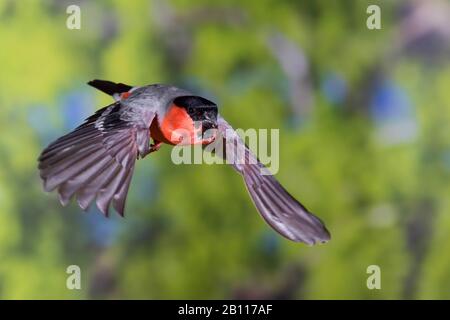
(109, 87)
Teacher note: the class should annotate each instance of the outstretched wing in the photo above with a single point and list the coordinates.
(278, 208)
(96, 160)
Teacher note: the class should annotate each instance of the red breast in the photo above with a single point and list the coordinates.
(175, 125)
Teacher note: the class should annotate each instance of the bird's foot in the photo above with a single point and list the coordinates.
(155, 146)
(152, 148)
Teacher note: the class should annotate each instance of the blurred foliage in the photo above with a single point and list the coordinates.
(370, 153)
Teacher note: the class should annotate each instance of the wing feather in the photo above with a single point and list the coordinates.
(278, 208)
(96, 160)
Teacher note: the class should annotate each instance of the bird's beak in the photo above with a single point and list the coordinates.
(209, 131)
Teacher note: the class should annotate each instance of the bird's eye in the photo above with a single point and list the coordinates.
(190, 110)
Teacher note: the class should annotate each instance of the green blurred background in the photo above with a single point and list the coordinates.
(364, 125)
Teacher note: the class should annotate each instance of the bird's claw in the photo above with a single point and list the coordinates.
(155, 147)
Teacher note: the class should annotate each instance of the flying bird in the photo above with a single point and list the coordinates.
(96, 160)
